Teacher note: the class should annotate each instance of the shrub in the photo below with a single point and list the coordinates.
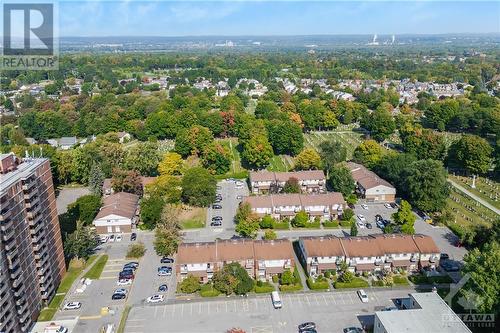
(355, 283)
(207, 290)
(345, 224)
(283, 225)
(347, 215)
(318, 284)
(365, 274)
(331, 224)
(136, 250)
(287, 277)
(313, 225)
(266, 222)
(300, 220)
(378, 283)
(347, 277)
(263, 287)
(296, 277)
(327, 274)
(190, 284)
(270, 234)
(400, 279)
(275, 278)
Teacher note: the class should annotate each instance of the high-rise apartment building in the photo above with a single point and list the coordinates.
(31, 250)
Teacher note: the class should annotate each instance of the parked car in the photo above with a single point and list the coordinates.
(361, 218)
(378, 217)
(216, 206)
(353, 330)
(72, 306)
(217, 218)
(118, 238)
(103, 238)
(444, 256)
(394, 205)
(360, 225)
(166, 260)
(364, 206)
(307, 326)
(133, 237)
(133, 264)
(124, 282)
(121, 291)
(155, 298)
(363, 296)
(369, 226)
(450, 266)
(111, 238)
(239, 197)
(388, 206)
(216, 224)
(164, 271)
(380, 224)
(163, 288)
(118, 296)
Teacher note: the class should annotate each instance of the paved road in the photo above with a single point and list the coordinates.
(475, 197)
(332, 311)
(68, 196)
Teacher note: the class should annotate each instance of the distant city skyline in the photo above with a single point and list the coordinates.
(266, 18)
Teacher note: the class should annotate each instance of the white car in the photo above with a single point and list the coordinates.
(118, 238)
(111, 238)
(361, 218)
(388, 206)
(363, 296)
(72, 306)
(155, 299)
(103, 238)
(364, 206)
(121, 291)
(360, 225)
(124, 282)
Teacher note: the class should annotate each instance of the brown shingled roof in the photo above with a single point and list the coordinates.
(395, 243)
(365, 177)
(273, 250)
(264, 201)
(228, 250)
(363, 246)
(196, 253)
(425, 244)
(327, 246)
(121, 204)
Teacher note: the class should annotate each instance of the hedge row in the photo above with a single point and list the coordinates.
(290, 287)
(264, 288)
(332, 224)
(317, 285)
(208, 291)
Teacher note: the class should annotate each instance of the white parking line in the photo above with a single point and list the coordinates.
(173, 310)
(342, 298)
(308, 302)
(182, 309)
(350, 298)
(156, 311)
(316, 299)
(324, 299)
(164, 311)
(376, 298)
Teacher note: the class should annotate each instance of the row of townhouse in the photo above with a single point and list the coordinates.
(368, 253)
(262, 259)
(310, 181)
(326, 206)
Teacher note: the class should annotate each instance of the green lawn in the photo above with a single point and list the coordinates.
(347, 138)
(192, 224)
(277, 163)
(123, 319)
(466, 211)
(193, 218)
(94, 273)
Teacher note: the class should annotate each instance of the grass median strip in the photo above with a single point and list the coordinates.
(94, 273)
(123, 319)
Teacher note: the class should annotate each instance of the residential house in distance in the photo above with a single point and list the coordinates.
(261, 259)
(370, 186)
(326, 206)
(124, 137)
(429, 252)
(310, 181)
(63, 143)
(321, 254)
(118, 213)
(272, 257)
(107, 187)
(426, 312)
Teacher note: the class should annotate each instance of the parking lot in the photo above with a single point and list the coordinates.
(230, 192)
(332, 311)
(98, 294)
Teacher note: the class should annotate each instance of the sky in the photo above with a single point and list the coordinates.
(260, 17)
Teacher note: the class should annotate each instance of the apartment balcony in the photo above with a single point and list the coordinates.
(27, 186)
(19, 292)
(10, 244)
(5, 214)
(36, 227)
(14, 273)
(8, 234)
(32, 202)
